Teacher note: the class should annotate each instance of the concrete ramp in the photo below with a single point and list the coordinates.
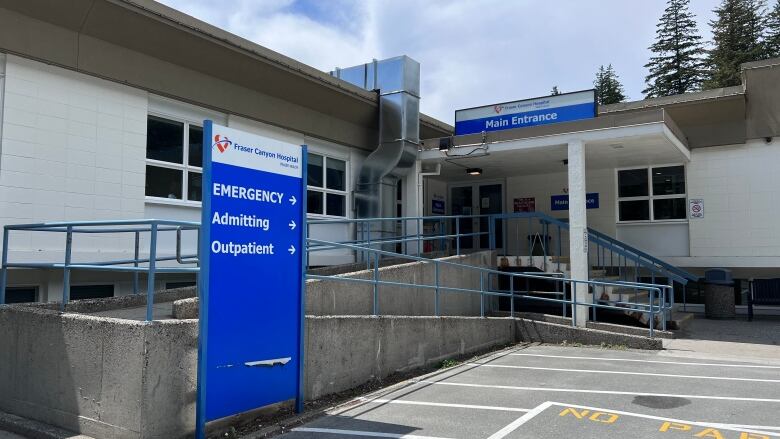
(342, 297)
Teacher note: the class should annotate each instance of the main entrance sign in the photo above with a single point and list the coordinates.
(539, 111)
(251, 255)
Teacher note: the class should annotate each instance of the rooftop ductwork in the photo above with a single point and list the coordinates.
(397, 80)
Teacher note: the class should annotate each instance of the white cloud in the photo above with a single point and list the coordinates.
(471, 52)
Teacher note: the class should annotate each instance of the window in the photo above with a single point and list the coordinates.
(174, 159)
(327, 186)
(655, 194)
(81, 292)
(20, 294)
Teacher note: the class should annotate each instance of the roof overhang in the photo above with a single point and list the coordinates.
(621, 140)
(155, 30)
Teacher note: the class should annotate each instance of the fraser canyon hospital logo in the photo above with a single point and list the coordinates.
(498, 108)
(222, 143)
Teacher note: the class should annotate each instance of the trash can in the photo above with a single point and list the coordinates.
(719, 294)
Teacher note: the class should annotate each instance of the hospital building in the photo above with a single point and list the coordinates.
(102, 106)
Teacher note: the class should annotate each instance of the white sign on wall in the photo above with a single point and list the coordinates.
(696, 207)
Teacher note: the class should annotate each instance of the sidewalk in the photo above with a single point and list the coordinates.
(757, 341)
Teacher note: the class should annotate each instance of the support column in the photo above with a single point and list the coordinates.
(412, 206)
(578, 227)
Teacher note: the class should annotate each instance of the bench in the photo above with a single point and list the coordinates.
(763, 292)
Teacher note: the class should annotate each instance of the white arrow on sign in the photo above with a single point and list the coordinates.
(293, 200)
(292, 225)
(291, 250)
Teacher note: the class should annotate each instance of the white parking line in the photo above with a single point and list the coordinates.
(615, 372)
(441, 404)
(363, 433)
(514, 425)
(741, 427)
(601, 392)
(676, 363)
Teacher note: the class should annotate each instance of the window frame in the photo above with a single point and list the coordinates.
(324, 190)
(184, 167)
(650, 197)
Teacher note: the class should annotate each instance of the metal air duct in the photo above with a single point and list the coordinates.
(397, 81)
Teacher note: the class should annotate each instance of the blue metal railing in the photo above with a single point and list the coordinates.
(629, 263)
(657, 306)
(134, 265)
(449, 232)
(371, 231)
(442, 239)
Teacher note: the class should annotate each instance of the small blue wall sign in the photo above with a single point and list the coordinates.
(561, 202)
(252, 255)
(437, 207)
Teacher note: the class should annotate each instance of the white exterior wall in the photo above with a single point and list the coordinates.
(740, 186)
(542, 186)
(73, 147)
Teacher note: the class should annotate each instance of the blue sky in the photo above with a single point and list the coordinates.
(474, 52)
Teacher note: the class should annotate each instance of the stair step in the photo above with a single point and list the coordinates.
(680, 319)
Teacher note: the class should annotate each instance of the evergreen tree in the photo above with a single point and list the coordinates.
(556, 92)
(676, 64)
(772, 38)
(737, 34)
(609, 90)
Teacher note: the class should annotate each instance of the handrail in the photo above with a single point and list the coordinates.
(154, 226)
(619, 246)
(394, 218)
(136, 227)
(646, 260)
(667, 266)
(657, 292)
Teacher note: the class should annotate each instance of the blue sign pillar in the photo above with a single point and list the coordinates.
(252, 257)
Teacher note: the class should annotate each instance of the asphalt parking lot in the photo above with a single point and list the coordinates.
(537, 391)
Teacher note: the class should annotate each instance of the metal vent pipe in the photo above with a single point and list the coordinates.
(397, 80)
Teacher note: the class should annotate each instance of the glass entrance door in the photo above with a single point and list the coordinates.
(477, 199)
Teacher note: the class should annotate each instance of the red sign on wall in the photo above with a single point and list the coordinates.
(527, 204)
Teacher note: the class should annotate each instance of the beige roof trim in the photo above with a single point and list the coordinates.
(770, 62)
(718, 93)
(179, 18)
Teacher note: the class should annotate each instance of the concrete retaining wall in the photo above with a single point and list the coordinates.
(609, 327)
(332, 297)
(117, 302)
(545, 332)
(104, 377)
(115, 378)
(186, 308)
(344, 352)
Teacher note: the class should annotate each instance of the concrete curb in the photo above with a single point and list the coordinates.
(602, 326)
(544, 332)
(34, 429)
